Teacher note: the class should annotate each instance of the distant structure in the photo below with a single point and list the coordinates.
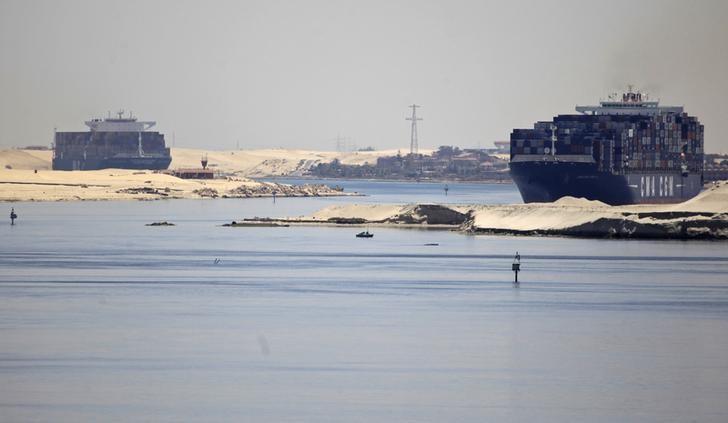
(414, 148)
(447, 163)
(120, 142)
(716, 167)
(341, 143)
(192, 173)
(502, 147)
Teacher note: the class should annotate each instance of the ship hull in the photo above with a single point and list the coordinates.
(150, 163)
(548, 181)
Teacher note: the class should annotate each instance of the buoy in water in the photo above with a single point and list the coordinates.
(516, 267)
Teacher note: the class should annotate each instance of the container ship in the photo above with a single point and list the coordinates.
(120, 142)
(626, 150)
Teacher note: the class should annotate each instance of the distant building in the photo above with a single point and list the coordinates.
(465, 164)
(716, 167)
(448, 162)
(195, 173)
(502, 147)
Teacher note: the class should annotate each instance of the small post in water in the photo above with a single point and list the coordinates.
(446, 190)
(516, 267)
(13, 216)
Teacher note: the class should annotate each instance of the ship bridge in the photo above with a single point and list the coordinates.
(119, 124)
(631, 103)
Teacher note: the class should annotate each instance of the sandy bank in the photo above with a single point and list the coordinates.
(246, 163)
(271, 162)
(25, 159)
(122, 184)
(703, 217)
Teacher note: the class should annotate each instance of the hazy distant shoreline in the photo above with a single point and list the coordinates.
(423, 181)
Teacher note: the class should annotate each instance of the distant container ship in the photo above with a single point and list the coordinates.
(627, 150)
(121, 142)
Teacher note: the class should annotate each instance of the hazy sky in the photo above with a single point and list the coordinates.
(297, 73)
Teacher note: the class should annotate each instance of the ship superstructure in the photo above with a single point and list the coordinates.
(625, 150)
(119, 142)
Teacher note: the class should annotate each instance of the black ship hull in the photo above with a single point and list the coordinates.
(150, 163)
(547, 181)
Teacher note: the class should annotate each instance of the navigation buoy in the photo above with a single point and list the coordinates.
(516, 267)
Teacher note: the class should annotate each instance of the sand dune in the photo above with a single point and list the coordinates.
(713, 199)
(271, 162)
(252, 163)
(25, 159)
(705, 216)
(120, 184)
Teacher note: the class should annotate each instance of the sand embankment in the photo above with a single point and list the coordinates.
(271, 162)
(18, 182)
(25, 159)
(246, 163)
(705, 216)
(122, 184)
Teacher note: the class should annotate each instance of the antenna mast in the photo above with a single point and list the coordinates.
(339, 143)
(414, 148)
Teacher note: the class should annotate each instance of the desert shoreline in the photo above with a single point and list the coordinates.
(124, 184)
(702, 217)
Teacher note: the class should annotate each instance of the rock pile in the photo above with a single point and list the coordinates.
(206, 192)
(270, 189)
(144, 190)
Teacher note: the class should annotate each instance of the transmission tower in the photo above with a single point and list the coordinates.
(414, 149)
(341, 143)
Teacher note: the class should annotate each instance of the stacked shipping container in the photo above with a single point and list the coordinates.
(619, 143)
(104, 145)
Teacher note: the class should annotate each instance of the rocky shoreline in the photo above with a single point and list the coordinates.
(273, 189)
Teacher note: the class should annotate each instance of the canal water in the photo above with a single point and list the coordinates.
(105, 319)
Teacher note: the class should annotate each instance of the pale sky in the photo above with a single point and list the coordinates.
(295, 74)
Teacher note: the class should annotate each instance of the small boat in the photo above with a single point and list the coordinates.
(365, 234)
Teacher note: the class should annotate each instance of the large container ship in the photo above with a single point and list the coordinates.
(121, 142)
(626, 150)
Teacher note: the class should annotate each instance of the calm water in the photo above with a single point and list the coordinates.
(421, 192)
(105, 319)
